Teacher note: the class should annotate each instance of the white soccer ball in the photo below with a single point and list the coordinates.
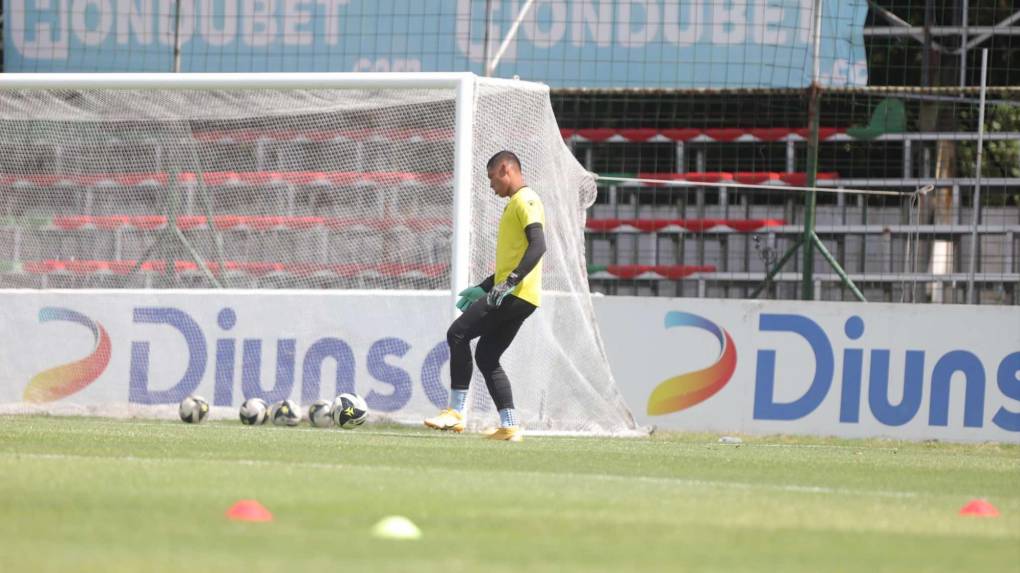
(254, 412)
(193, 409)
(320, 414)
(349, 411)
(285, 413)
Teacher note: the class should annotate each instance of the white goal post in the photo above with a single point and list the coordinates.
(346, 181)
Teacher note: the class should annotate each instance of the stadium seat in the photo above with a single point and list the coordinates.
(146, 195)
(745, 177)
(56, 243)
(674, 225)
(230, 136)
(694, 134)
(647, 272)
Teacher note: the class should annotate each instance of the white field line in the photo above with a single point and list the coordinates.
(665, 481)
(365, 430)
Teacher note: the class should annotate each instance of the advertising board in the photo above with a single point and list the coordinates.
(761, 367)
(562, 43)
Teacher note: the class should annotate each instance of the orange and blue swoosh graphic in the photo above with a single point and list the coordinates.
(64, 380)
(683, 391)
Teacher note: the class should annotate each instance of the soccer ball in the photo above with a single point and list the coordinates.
(320, 414)
(254, 412)
(193, 409)
(285, 413)
(349, 411)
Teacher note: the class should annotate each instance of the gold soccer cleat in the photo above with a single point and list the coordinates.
(448, 419)
(510, 434)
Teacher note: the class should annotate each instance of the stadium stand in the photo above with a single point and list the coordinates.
(103, 207)
(881, 242)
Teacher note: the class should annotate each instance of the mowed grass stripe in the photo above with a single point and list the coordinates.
(506, 473)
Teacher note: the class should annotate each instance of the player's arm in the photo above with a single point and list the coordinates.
(532, 255)
(536, 248)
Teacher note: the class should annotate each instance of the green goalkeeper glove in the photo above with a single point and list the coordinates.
(468, 297)
(499, 292)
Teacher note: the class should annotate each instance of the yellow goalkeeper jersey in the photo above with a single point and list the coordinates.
(524, 208)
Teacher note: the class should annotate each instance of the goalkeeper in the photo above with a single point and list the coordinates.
(495, 309)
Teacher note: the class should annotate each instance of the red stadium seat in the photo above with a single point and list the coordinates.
(602, 224)
(111, 222)
(748, 225)
(699, 225)
(86, 267)
(770, 133)
(147, 222)
(596, 134)
(259, 269)
(696, 225)
(265, 223)
(682, 134)
(190, 222)
(757, 177)
(121, 267)
(72, 222)
(43, 267)
(347, 270)
(717, 134)
(638, 135)
(725, 134)
(671, 272)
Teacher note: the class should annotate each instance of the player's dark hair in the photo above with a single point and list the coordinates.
(503, 157)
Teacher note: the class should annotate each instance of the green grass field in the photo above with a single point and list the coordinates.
(80, 494)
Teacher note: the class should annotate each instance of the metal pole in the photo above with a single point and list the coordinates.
(491, 66)
(485, 48)
(1003, 27)
(839, 270)
(177, 37)
(810, 199)
(963, 43)
(926, 53)
(816, 60)
(771, 274)
(977, 182)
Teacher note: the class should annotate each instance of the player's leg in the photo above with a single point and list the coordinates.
(491, 347)
(468, 326)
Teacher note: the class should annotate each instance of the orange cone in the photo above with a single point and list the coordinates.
(249, 510)
(979, 508)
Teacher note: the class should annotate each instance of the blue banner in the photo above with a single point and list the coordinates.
(564, 43)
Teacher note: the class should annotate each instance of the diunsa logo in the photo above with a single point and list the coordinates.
(685, 390)
(62, 381)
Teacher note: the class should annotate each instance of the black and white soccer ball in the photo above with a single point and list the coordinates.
(285, 413)
(254, 412)
(320, 414)
(193, 409)
(349, 411)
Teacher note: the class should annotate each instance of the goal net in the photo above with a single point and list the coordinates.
(356, 182)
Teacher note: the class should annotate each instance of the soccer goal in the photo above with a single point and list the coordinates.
(358, 182)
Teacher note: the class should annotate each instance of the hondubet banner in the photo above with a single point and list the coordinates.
(563, 43)
(835, 369)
